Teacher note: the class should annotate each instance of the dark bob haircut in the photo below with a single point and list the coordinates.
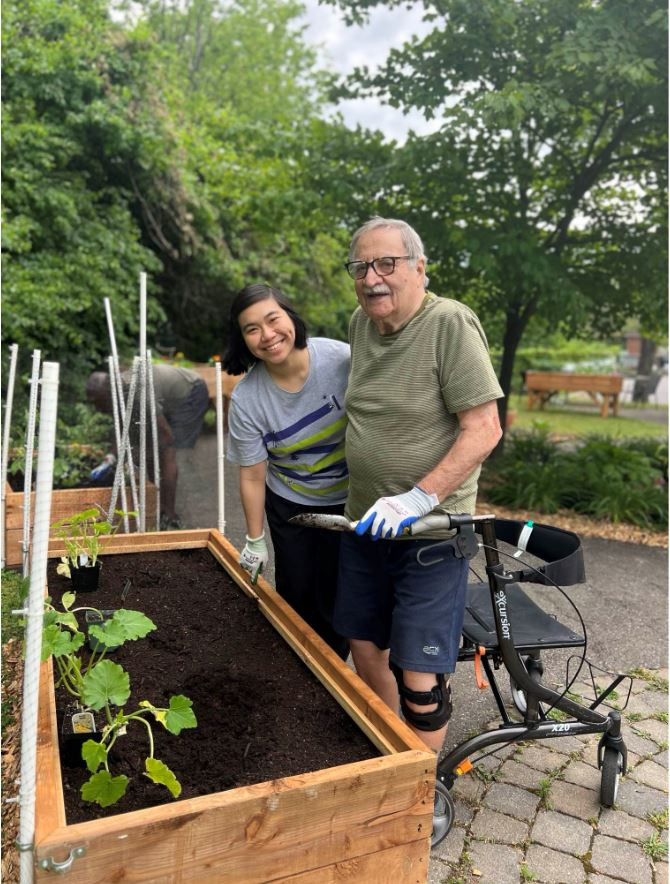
(237, 359)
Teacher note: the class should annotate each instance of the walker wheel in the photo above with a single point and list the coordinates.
(443, 814)
(609, 778)
(519, 697)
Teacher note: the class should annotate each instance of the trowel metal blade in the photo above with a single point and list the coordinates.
(323, 520)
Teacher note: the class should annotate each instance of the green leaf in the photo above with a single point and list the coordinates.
(177, 717)
(106, 683)
(67, 620)
(59, 643)
(68, 600)
(109, 633)
(94, 754)
(160, 773)
(133, 623)
(104, 789)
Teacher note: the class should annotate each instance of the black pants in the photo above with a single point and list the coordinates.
(306, 565)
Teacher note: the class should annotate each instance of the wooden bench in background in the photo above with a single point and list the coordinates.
(542, 385)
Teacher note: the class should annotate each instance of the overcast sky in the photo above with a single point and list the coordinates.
(343, 48)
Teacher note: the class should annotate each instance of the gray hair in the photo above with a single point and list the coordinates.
(411, 240)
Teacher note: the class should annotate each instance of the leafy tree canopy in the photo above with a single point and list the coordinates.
(544, 191)
(185, 142)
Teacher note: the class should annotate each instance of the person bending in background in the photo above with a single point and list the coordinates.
(181, 402)
(422, 412)
(286, 431)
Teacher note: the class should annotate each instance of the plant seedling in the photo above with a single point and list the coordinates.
(81, 533)
(99, 684)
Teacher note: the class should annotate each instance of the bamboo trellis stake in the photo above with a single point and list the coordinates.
(143, 400)
(9, 402)
(121, 410)
(154, 437)
(125, 445)
(220, 450)
(34, 613)
(117, 435)
(28, 472)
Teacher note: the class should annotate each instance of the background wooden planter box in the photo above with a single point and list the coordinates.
(64, 502)
(367, 821)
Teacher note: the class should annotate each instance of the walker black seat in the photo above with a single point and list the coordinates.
(532, 628)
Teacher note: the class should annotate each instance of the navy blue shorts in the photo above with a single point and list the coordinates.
(386, 596)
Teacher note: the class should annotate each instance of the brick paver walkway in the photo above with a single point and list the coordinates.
(531, 812)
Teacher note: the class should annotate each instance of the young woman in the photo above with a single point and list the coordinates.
(286, 432)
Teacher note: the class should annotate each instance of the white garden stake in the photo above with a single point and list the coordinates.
(28, 472)
(34, 612)
(143, 401)
(220, 451)
(154, 437)
(117, 437)
(9, 401)
(125, 445)
(121, 407)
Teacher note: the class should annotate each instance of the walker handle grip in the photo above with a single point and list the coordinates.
(439, 520)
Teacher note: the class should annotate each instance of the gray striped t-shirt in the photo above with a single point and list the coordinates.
(301, 435)
(405, 390)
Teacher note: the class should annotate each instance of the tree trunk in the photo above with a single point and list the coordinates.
(515, 324)
(643, 381)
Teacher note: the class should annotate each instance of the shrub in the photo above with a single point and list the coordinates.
(623, 481)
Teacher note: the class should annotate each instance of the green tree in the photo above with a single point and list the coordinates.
(544, 191)
(270, 183)
(71, 85)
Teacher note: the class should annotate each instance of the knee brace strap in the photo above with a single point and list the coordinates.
(439, 694)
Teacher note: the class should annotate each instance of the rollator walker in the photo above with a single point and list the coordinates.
(504, 628)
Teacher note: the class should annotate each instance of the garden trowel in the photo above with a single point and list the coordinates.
(341, 523)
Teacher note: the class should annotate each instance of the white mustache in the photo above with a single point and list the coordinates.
(379, 289)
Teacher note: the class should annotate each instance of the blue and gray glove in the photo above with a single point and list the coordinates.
(389, 516)
(103, 470)
(254, 556)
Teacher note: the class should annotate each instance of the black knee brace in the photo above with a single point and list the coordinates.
(440, 694)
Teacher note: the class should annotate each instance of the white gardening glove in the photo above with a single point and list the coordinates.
(390, 515)
(254, 556)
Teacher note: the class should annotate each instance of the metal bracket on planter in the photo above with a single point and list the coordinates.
(50, 864)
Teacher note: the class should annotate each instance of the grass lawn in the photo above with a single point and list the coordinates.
(567, 421)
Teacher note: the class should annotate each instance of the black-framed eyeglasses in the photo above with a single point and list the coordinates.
(381, 266)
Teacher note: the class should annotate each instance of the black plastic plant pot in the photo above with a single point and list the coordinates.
(85, 578)
(78, 725)
(95, 618)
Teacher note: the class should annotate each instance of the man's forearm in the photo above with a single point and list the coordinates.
(479, 434)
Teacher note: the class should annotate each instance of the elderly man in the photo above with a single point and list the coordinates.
(422, 415)
(181, 402)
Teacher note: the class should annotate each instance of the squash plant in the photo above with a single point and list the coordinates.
(99, 684)
(81, 533)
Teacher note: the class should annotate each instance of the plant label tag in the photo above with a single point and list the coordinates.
(83, 723)
(83, 559)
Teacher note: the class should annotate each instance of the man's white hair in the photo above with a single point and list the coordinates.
(411, 240)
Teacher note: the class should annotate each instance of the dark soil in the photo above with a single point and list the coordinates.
(261, 713)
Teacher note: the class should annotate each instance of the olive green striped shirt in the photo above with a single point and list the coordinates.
(405, 391)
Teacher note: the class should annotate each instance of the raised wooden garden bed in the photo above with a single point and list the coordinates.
(365, 821)
(64, 502)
